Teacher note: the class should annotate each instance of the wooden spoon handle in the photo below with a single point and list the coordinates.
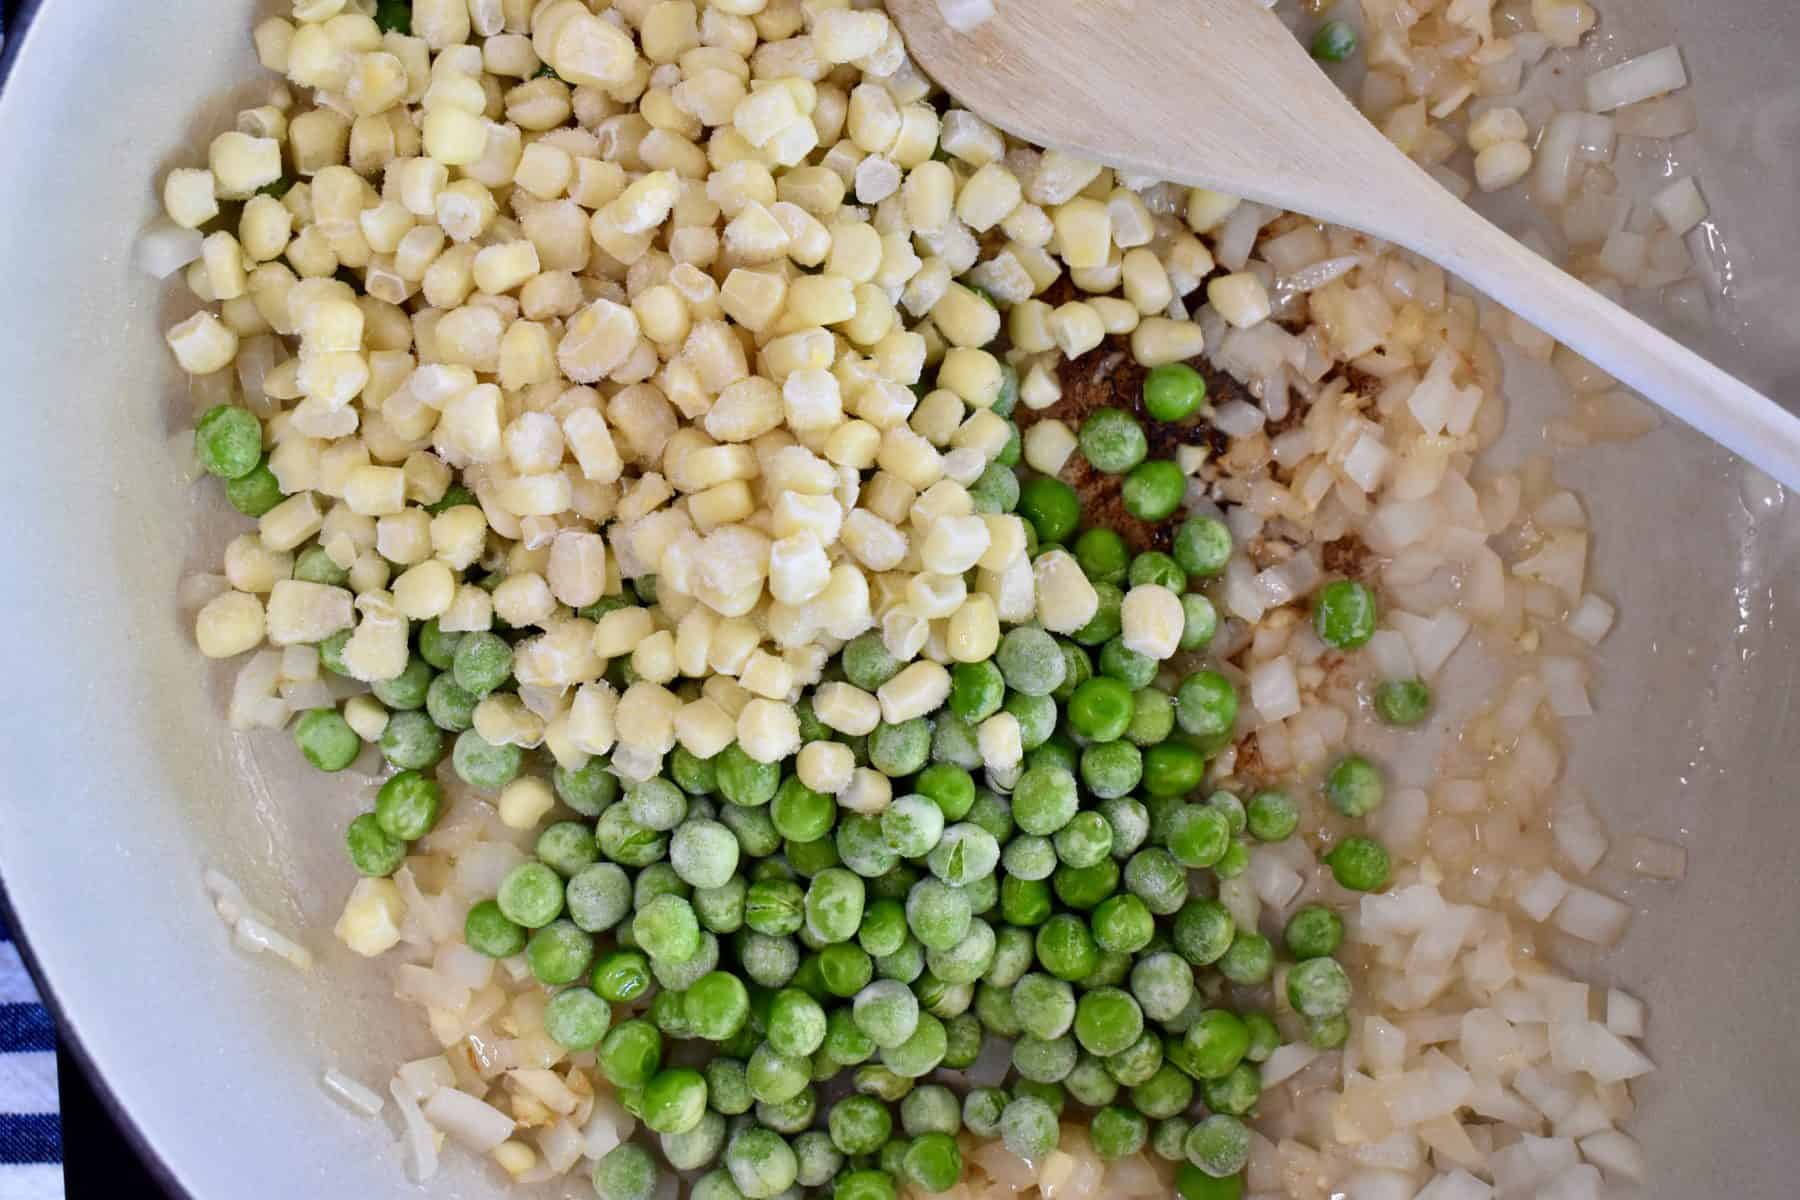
(1425, 218)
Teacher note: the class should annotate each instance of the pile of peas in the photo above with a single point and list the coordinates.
(726, 903)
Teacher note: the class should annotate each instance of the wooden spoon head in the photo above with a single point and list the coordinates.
(1209, 92)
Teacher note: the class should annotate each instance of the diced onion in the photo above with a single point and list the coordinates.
(965, 16)
(166, 248)
(354, 1095)
(1680, 205)
(477, 1125)
(1637, 79)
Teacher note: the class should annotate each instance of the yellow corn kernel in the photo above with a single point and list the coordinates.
(1048, 445)
(846, 708)
(1065, 599)
(229, 624)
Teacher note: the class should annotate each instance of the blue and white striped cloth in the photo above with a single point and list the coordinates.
(30, 1127)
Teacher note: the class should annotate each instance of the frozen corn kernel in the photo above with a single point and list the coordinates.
(525, 802)
(954, 544)
(1501, 165)
(869, 793)
(1158, 341)
(1047, 446)
(1065, 599)
(846, 708)
(1076, 328)
(1241, 299)
(1000, 741)
(370, 922)
(203, 344)
(229, 624)
(916, 691)
(973, 634)
(1152, 620)
(825, 766)
(768, 731)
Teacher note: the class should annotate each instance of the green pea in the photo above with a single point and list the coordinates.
(774, 1077)
(1173, 392)
(948, 786)
(1052, 508)
(1198, 836)
(1327, 1033)
(692, 774)
(1108, 1020)
(1166, 1092)
(859, 1125)
(1359, 863)
(867, 663)
(315, 566)
(406, 690)
(1123, 924)
(1167, 1139)
(407, 806)
(981, 1111)
(818, 1160)
(900, 750)
(451, 709)
(1102, 555)
(933, 1162)
(559, 953)
(1112, 440)
(1153, 876)
(1265, 1037)
(965, 856)
(1031, 661)
(1199, 621)
(1249, 961)
(1107, 620)
(1137, 1063)
(1203, 546)
(256, 493)
(976, 690)
(1126, 665)
(373, 851)
(331, 653)
(1207, 705)
(1152, 718)
(1101, 709)
(598, 897)
(626, 1172)
(1163, 984)
(996, 490)
(1044, 800)
(228, 441)
(1236, 1093)
(326, 739)
(481, 764)
(704, 853)
(1314, 931)
(1028, 1127)
(1215, 1044)
(1318, 988)
(1354, 786)
(1112, 769)
(630, 1053)
(1036, 716)
(717, 1005)
(675, 1100)
(567, 847)
(411, 740)
(657, 804)
(864, 1184)
(1271, 816)
(1157, 568)
(1066, 948)
(964, 1041)
(1334, 42)
(482, 663)
(1173, 769)
(721, 909)
(667, 928)
(1153, 490)
(1344, 614)
(1235, 861)
(698, 1147)
(489, 931)
(621, 976)
(1403, 702)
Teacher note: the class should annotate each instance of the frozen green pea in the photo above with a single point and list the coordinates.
(1249, 961)
(228, 441)
(667, 928)
(867, 663)
(1031, 661)
(887, 1012)
(450, 708)
(761, 1163)
(1318, 988)
(326, 739)
(921, 1052)
(411, 741)
(531, 895)
(1354, 786)
(859, 1125)
(938, 914)
(1107, 1020)
(1028, 1127)
(1359, 863)
(405, 691)
(1044, 800)
(742, 780)
(1112, 769)
(976, 690)
(488, 931)
(483, 765)
(630, 1053)
(559, 953)
(697, 1147)
(482, 663)
(1237, 1092)
(704, 853)
(1127, 666)
(576, 1019)
(1219, 1145)
(626, 1172)
(1044, 1006)
(1153, 876)
(1118, 1132)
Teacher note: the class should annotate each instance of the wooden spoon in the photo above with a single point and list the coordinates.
(1220, 94)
